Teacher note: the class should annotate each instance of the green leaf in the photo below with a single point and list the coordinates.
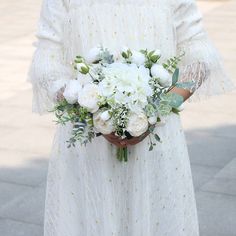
(175, 77)
(124, 55)
(176, 100)
(151, 148)
(155, 58)
(176, 111)
(158, 139)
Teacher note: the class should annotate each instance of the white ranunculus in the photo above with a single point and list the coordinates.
(181, 107)
(93, 54)
(137, 124)
(88, 97)
(124, 49)
(164, 76)
(72, 90)
(152, 120)
(101, 125)
(105, 115)
(84, 79)
(138, 58)
(56, 86)
(157, 52)
(82, 68)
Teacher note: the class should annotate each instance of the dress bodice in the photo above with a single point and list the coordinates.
(136, 24)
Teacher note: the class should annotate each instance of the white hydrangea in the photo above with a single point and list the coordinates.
(127, 84)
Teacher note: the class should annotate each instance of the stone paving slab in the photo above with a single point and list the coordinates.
(27, 207)
(202, 174)
(16, 228)
(23, 168)
(217, 214)
(220, 185)
(10, 192)
(210, 150)
(229, 171)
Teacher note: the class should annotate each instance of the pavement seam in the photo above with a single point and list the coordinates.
(217, 193)
(21, 221)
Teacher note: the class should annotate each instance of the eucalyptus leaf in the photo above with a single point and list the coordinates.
(175, 76)
(157, 137)
(176, 100)
(151, 148)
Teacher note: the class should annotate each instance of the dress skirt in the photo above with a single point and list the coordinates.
(91, 193)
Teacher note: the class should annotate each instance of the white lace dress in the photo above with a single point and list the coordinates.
(89, 192)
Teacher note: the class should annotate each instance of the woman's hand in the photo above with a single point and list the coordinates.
(112, 138)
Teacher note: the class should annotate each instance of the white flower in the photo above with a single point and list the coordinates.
(88, 97)
(93, 54)
(181, 107)
(137, 124)
(84, 79)
(164, 76)
(124, 49)
(101, 125)
(56, 86)
(82, 68)
(152, 120)
(105, 116)
(157, 52)
(72, 90)
(138, 58)
(126, 83)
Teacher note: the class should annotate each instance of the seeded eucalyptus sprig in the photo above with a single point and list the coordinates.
(172, 63)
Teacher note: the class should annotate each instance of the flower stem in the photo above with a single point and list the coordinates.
(122, 154)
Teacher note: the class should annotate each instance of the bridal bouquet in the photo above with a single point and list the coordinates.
(127, 94)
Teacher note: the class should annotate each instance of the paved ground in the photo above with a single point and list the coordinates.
(26, 139)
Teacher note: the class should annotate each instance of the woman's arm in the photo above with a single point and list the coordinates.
(48, 71)
(201, 63)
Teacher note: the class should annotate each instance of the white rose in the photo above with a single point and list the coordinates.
(93, 54)
(137, 124)
(181, 107)
(160, 72)
(88, 97)
(56, 86)
(82, 68)
(124, 49)
(84, 79)
(101, 125)
(138, 58)
(72, 90)
(152, 120)
(157, 52)
(105, 116)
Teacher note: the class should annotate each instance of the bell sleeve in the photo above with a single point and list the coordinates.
(201, 63)
(48, 72)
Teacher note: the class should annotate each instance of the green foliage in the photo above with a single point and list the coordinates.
(175, 77)
(106, 57)
(172, 63)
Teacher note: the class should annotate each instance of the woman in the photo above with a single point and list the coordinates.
(89, 192)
